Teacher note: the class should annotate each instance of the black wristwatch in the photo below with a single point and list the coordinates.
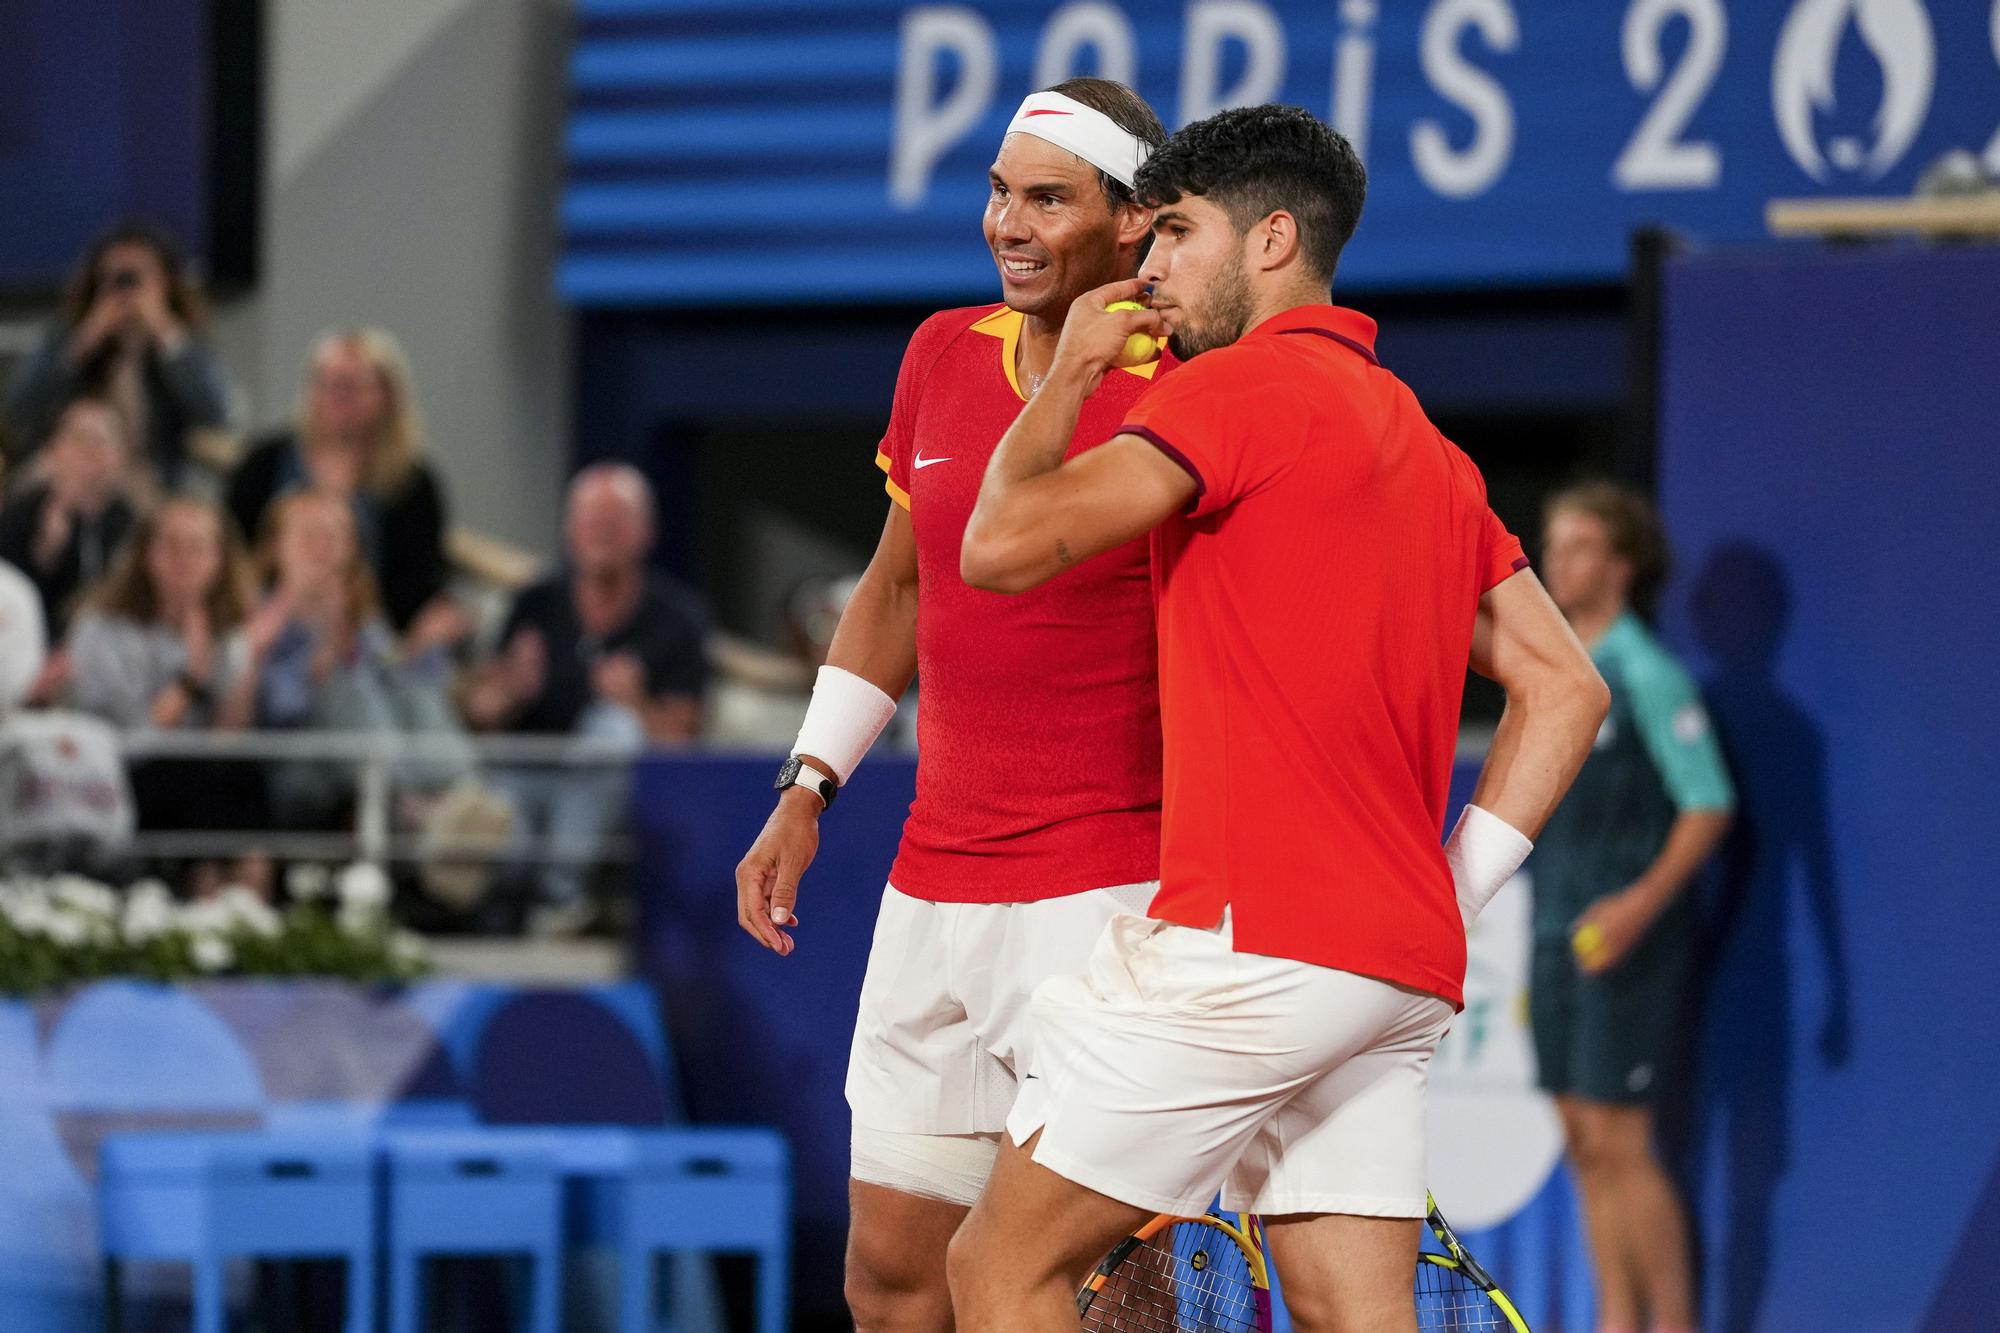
(798, 773)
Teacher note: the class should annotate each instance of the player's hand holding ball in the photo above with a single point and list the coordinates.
(1140, 348)
(1109, 327)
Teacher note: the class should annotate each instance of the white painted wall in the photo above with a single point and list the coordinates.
(412, 155)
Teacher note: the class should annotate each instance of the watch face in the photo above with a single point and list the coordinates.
(789, 773)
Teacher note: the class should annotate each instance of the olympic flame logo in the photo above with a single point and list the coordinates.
(1898, 34)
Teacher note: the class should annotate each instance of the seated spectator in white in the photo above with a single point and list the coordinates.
(65, 807)
(63, 528)
(165, 644)
(359, 435)
(130, 330)
(333, 664)
(23, 641)
(606, 648)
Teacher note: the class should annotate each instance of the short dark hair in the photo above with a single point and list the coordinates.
(1253, 161)
(1128, 111)
(1633, 525)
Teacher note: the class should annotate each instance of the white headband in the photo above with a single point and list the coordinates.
(1089, 133)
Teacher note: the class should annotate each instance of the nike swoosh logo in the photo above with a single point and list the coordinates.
(1049, 112)
(923, 462)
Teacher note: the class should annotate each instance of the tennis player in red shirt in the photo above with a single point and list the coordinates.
(1037, 814)
(1324, 566)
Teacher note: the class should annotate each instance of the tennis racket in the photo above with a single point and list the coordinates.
(1454, 1293)
(1181, 1275)
(1202, 1274)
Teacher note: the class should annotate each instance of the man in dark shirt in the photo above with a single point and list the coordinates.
(606, 649)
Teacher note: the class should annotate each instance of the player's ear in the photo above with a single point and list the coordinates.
(1133, 220)
(1278, 235)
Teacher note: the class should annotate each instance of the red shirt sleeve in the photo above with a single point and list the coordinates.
(898, 440)
(1501, 552)
(1231, 432)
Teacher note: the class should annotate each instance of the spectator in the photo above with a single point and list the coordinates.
(131, 331)
(63, 529)
(22, 641)
(333, 664)
(604, 648)
(1612, 927)
(359, 436)
(163, 645)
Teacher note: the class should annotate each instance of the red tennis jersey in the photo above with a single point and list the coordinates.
(1316, 606)
(1038, 729)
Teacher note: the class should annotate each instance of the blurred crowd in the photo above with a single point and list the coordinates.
(161, 576)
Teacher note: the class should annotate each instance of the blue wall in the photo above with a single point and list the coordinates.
(1829, 465)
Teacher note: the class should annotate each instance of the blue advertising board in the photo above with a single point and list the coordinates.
(104, 109)
(779, 151)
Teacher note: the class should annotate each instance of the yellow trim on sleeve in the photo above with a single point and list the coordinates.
(896, 493)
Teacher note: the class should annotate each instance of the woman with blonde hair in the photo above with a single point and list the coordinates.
(359, 435)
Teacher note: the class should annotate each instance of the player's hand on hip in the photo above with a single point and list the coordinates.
(1610, 929)
(767, 879)
(1094, 338)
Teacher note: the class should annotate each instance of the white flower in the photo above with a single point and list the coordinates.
(363, 886)
(308, 881)
(408, 950)
(211, 953)
(30, 912)
(251, 912)
(360, 922)
(68, 929)
(85, 896)
(208, 917)
(149, 912)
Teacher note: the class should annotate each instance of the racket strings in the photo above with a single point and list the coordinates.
(1449, 1302)
(1191, 1278)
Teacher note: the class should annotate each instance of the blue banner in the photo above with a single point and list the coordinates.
(103, 118)
(776, 151)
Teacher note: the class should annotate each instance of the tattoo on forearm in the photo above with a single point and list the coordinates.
(1063, 556)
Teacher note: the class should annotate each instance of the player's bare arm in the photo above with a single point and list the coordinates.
(1038, 515)
(876, 640)
(1555, 702)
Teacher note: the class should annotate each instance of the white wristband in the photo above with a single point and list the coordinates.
(1483, 851)
(844, 718)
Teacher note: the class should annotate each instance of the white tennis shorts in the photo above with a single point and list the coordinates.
(1174, 1066)
(942, 1038)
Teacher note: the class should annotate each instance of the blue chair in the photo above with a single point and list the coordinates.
(472, 1193)
(207, 1198)
(706, 1191)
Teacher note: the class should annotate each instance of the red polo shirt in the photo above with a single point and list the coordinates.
(1315, 611)
(1038, 730)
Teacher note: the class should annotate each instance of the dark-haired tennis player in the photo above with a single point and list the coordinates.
(1037, 815)
(1324, 567)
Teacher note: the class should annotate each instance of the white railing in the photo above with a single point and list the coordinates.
(375, 757)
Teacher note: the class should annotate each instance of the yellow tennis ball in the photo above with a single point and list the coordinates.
(1140, 347)
(1587, 940)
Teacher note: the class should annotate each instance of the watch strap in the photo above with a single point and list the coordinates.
(798, 773)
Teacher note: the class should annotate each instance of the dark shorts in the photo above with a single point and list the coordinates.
(1610, 1037)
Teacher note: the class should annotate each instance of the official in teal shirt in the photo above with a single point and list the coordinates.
(1612, 927)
